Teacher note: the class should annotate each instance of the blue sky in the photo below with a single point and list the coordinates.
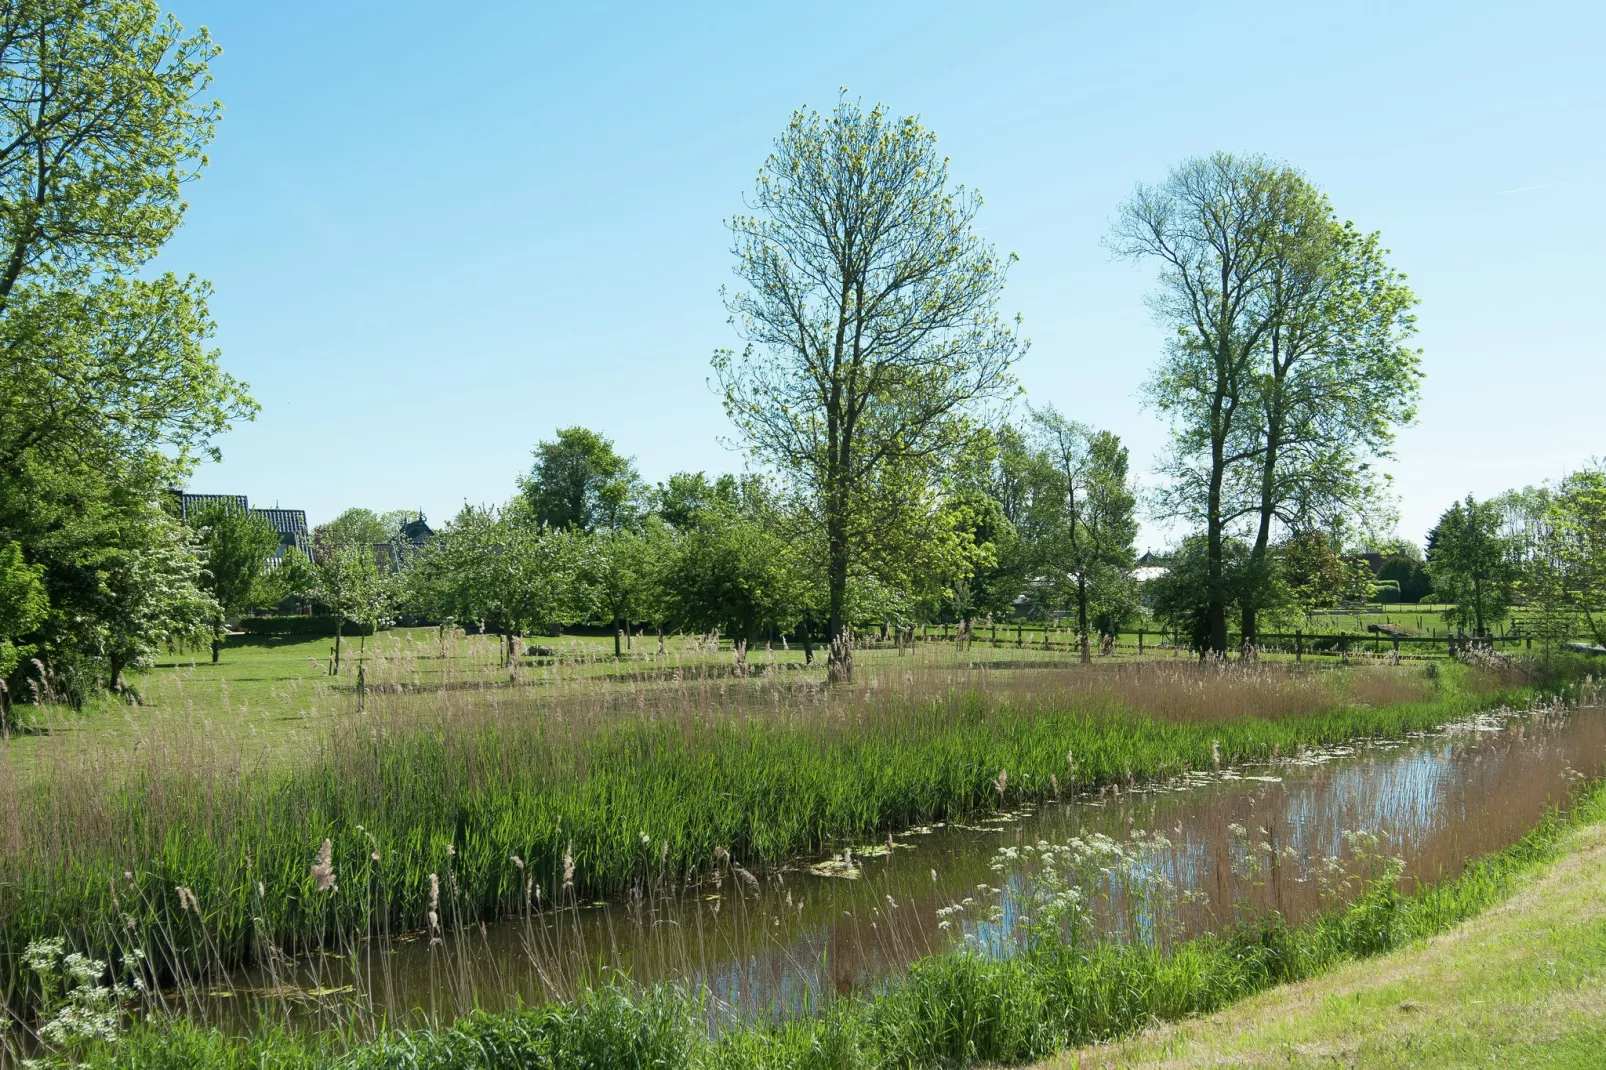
(438, 232)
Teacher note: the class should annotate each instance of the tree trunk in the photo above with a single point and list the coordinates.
(339, 623)
(1216, 602)
(839, 659)
(217, 644)
(1081, 614)
(1268, 482)
(808, 641)
(618, 634)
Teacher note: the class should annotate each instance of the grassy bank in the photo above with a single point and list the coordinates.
(963, 1009)
(1522, 985)
(459, 804)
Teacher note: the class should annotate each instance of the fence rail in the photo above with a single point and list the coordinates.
(1298, 643)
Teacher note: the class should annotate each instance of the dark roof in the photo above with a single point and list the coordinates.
(291, 524)
(416, 531)
(287, 522)
(189, 504)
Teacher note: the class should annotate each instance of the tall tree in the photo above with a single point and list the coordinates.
(1330, 381)
(1473, 564)
(1093, 503)
(109, 391)
(870, 316)
(580, 482)
(1218, 226)
(236, 545)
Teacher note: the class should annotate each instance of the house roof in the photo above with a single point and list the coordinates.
(190, 504)
(287, 522)
(291, 524)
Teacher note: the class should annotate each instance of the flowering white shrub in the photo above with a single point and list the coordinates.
(81, 998)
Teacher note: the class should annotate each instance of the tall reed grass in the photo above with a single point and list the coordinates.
(455, 806)
(959, 1009)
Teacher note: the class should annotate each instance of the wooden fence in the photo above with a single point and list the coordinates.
(1297, 643)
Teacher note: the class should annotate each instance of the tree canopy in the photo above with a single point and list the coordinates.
(579, 482)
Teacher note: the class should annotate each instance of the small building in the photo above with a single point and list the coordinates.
(416, 532)
(1151, 566)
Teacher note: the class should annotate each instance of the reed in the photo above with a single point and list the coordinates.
(957, 1009)
(449, 806)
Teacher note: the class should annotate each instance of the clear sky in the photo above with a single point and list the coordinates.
(440, 231)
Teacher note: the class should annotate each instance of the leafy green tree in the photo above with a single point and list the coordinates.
(1181, 599)
(354, 527)
(108, 389)
(1317, 576)
(236, 545)
(726, 575)
(1473, 565)
(580, 482)
(687, 499)
(150, 598)
(622, 570)
(498, 568)
(1576, 544)
(988, 493)
(1093, 505)
(1219, 226)
(293, 578)
(869, 313)
(23, 607)
(1552, 610)
(351, 586)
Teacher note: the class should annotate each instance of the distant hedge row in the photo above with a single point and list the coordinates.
(316, 624)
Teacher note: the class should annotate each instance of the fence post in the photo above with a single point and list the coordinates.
(1299, 645)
